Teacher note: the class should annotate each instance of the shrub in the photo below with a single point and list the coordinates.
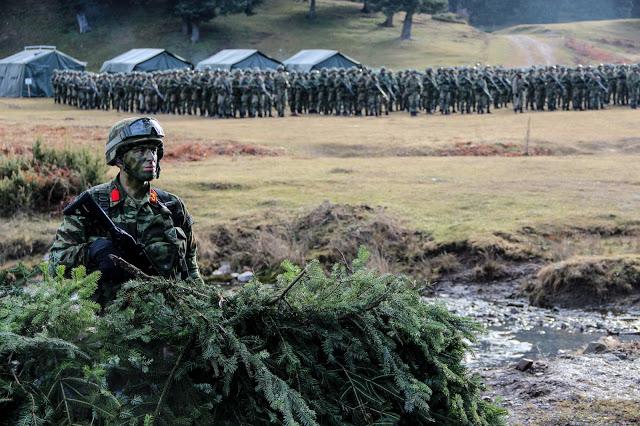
(44, 182)
(349, 348)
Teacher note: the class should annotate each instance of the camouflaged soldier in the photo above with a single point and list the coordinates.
(413, 87)
(157, 220)
(281, 88)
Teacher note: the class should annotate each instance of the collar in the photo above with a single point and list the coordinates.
(117, 194)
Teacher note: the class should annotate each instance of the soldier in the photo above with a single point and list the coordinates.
(483, 96)
(531, 89)
(633, 83)
(387, 82)
(465, 92)
(281, 86)
(518, 88)
(224, 89)
(157, 221)
(567, 81)
(444, 85)
(245, 93)
(540, 85)
(579, 85)
(413, 89)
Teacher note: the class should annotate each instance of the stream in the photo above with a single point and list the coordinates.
(515, 329)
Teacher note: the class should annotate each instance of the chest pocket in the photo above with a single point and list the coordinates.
(165, 244)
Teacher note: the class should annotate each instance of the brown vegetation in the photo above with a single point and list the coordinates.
(198, 151)
(589, 52)
(587, 281)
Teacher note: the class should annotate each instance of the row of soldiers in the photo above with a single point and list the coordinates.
(352, 91)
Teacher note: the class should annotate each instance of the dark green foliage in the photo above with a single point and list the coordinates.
(411, 8)
(46, 180)
(510, 12)
(349, 348)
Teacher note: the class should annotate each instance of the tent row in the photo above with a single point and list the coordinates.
(28, 73)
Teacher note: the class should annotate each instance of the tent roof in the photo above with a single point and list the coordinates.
(311, 56)
(133, 57)
(314, 56)
(31, 53)
(229, 56)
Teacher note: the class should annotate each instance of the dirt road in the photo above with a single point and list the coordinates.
(533, 51)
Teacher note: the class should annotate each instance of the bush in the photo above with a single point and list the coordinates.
(44, 182)
(350, 348)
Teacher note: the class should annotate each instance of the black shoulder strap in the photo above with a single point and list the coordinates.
(174, 206)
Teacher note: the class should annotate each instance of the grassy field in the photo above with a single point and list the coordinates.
(340, 25)
(589, 180)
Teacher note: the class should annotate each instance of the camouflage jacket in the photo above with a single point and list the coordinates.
(160, 223)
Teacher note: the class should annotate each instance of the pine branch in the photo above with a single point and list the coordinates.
(286, 290)
(156, 413)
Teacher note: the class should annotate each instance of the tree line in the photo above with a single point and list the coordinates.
(487, 13)
(194, 13)
(510, 12)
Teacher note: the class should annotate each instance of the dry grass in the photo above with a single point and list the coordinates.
(586, 281)
(453, 198)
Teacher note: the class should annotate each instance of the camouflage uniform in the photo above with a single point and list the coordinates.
(159, 222)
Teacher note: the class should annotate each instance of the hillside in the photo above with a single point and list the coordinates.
(280, 28)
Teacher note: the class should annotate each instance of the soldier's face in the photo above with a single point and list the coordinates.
(141, 162)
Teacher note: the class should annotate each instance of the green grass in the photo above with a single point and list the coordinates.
(280, 28)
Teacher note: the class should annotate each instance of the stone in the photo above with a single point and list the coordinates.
(245, 277)
(524, 364)
(224, 269)
(594, 348)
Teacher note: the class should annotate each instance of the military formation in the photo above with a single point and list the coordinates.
(352, 91)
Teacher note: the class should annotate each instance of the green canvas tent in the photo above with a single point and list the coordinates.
(28, 73)
(315, 59)
(145, 60)
(230, 59)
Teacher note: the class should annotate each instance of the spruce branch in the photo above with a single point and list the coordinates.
(156, 413)
(289, 287)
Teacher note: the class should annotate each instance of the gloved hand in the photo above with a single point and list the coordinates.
(99, 252)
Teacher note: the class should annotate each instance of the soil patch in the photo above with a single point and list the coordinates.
(198, 151)
(221, 186)
(589, 51)
(330, 232)
(21, 248)
(587, 281)
(457, 149)
(15, 142)
(334, 233)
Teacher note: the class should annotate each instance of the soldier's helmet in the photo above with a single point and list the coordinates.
(280, 68)
(127, 133)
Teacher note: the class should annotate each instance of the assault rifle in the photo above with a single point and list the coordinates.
(384, 95)
(123, 242)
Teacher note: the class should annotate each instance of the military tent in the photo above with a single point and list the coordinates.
(229, 59)
(145, 60)
(314, 59)
(28, 73)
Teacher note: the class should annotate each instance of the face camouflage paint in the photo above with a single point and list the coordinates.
(141, 162)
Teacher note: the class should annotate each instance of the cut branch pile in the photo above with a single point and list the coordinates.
(349, 348)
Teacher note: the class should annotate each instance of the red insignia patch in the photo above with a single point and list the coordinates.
(115, 195)
(153, 196)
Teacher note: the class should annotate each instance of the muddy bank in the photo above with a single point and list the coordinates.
(334, 232)
(573, 389)
(587, 281)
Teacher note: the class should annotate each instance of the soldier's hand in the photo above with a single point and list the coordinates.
(99, 252)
